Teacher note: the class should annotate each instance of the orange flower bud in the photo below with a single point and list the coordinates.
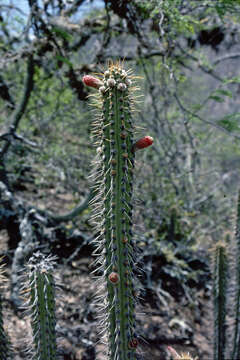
(92, 81)
(143, 143)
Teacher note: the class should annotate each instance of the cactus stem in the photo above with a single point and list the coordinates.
(113, 135)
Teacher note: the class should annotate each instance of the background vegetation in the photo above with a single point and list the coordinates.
(186, 54)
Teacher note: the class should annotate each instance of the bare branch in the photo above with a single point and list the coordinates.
(226, 57)
(205, 69)
(18, 113)
(28, 87)
(57, 219)
(209, 122)
(5, 93)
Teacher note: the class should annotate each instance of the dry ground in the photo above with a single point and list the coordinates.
(185, 324)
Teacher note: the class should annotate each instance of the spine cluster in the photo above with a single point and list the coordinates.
(114, 133)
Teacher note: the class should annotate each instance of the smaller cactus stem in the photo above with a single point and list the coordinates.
(219, 298)
(41, 303)
(236, 340)
(4, 341)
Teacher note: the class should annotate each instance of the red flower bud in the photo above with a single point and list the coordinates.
(92, 81)
(143, 143)
(113, 277)
(133, 343)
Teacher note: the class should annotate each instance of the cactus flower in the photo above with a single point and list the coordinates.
(143, 143)
(91, 81)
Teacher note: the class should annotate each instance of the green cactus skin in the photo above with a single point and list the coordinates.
(219, 298)
(236, 341)
(41, 303)
(114, 175)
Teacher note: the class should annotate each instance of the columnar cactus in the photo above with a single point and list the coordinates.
(114, 131)
(219, 298)
(41, 303)
(236, 341)
(4, 342)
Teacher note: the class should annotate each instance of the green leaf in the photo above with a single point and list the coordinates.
(223, 92)
(216, 98)
(235, 79)
(230, 122)
(216, 95)
(196, 107)
(62, 33)
(64, 60)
